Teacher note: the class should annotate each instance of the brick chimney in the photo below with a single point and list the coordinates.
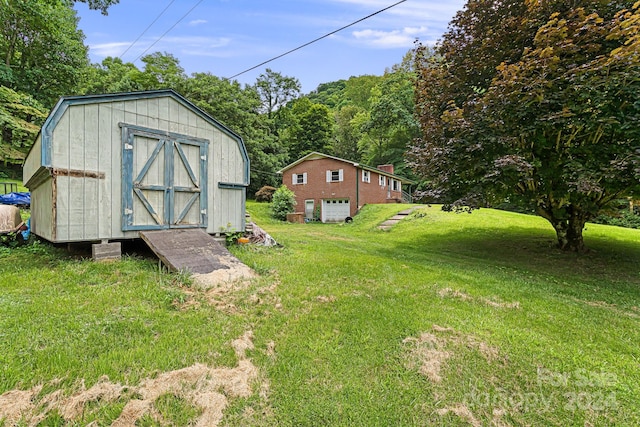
(386, 168)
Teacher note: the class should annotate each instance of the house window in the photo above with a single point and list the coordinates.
(299, 178)
(366, 176)
(395, 184)
(382, 180)
(335, 175)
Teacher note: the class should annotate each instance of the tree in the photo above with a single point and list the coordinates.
(20, 119)
(276, 90)
(348, 131)
(112, 76)
(309, 128)
(163, 70)
(391, 125)
(555, 129)
(238, 108)
(42, 49)
(101, 5)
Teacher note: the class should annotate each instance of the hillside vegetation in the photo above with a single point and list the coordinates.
(446, 319)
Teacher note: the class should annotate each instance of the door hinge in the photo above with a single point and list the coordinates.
(128, 147)
(203, 157)
(128, 211)
(203, 211)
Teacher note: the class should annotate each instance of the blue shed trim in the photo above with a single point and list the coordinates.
(63, 104)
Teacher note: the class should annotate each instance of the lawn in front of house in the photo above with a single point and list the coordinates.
(446, 319)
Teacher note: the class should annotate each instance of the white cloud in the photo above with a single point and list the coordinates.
(109, 49)
(403, 38)
(197, 22)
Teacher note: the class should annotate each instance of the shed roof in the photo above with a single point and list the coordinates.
(316, 155)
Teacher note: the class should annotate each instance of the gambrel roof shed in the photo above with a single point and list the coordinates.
(105, 167)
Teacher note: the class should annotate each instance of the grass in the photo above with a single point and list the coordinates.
(18, 182)
(446, 319)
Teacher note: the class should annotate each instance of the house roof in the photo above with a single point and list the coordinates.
(316, 156)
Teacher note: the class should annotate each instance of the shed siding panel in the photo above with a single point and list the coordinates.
(76, 146)
(42, 210)
(163, 114)
(130, 115)
(237, 164)
(108, 156)
(142, 111)
(174, 117)
(117, 116)
(88, 138)
(153, 112)
(60, 143)
(33, 161)
(229, 211)
(77, 209)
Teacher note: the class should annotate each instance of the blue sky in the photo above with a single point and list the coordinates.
(226, 37)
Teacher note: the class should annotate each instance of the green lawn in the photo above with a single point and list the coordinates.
(446, 319)
(20, 187)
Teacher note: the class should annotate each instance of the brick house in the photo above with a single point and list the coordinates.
(332, 189)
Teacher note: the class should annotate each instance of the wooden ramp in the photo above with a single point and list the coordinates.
(190, 249)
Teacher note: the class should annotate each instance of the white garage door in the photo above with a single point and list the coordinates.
(335, 210)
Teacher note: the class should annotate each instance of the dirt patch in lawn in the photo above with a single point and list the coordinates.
(234, 271)
(427, 354)
(208, 388)
(430, 353)
(463, 412)
(492, 302)
(233, 297)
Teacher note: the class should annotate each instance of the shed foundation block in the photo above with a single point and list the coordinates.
(106, 251)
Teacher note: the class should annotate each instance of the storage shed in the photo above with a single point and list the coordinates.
(105, 167)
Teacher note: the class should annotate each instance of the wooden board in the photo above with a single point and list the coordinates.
(190, 249)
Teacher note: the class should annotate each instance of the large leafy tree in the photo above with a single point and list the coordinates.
(163, 70)
(309, 128)
(101, 5)
(238, 108)
(42, 49)
(391, 125)
(276, 90)
(20, 119)
(113, 75)
(555, 128)
(348, 132)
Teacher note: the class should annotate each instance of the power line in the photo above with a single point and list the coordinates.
(171, 28)
(315, 40)
(146, 29)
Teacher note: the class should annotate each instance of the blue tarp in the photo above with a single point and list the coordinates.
(18, 199)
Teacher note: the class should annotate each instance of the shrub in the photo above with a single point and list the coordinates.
(621, 219)
(265, 194)
(282, 203)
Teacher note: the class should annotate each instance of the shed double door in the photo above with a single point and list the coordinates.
(164, 180)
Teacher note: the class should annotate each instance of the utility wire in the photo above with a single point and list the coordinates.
(147, 29)
(315, 40)
(171, 28)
